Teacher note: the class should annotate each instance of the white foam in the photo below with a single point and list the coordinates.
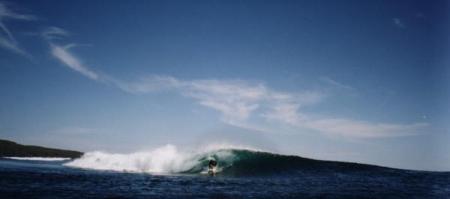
(38, 158)
(166, 159)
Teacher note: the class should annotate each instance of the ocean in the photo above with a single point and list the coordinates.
(241, 173)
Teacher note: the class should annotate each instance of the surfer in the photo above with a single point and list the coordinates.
(212, 167)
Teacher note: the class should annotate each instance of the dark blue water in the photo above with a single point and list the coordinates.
(39, 179)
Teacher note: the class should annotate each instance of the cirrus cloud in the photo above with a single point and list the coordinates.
(7, 39)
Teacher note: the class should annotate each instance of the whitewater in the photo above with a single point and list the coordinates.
(165, 159)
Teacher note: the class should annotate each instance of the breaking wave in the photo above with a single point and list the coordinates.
(231, 161)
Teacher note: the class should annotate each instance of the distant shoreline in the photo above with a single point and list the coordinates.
(10, 149)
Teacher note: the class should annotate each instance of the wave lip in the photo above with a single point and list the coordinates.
(38, 158)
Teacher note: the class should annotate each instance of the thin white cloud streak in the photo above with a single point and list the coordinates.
(343, 127)
(291, 114)
(63, 55)
(8, 45)
(363, 129)
(335, 83)
(6, 12)
(235, 100)
(7, 39)
(145, 85)
(239, 100)
(53, 33)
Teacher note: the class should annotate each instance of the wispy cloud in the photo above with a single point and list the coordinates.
(147, 84)
(12, 46)
(63, 54)
(335, 83)
(398, 22)
(54, 33)
(235, 100)
(7, 39)
(239, 101)
(363, 129)
(292, 114)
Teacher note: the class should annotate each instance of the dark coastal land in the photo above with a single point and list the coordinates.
(12, 149)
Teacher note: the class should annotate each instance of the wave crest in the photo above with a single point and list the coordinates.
(166, 159)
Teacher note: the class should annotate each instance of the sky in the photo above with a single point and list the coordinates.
(359, 81)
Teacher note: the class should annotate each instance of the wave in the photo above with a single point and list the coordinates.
(166, 159)
(38, 158)
(232, 161)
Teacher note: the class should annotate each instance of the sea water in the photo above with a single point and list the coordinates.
(242, 174)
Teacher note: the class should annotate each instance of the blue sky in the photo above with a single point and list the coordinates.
(349, 80)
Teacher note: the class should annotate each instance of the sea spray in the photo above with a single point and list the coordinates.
(166, 159)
